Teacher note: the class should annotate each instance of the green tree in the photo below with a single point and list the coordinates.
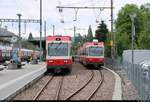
(78, 38)
(123, 27)
(144, 39)
(90, 34)
(28, 45)
(84, 39)
(101, 32)
(30, 36)
(107, 46)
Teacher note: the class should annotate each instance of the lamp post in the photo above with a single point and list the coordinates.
(53, 30)
(19, 41)
(132, 16)
(74, 34)
(45, 39)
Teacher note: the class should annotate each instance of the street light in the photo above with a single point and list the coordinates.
(19, 26)
(132, 16)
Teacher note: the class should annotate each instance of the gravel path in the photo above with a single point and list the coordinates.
(129, 91)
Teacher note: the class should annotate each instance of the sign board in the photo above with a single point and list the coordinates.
(14, 39)
(95, 40)
(111, 43)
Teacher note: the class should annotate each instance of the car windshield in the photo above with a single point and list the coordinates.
(96, 51)
(58, 49)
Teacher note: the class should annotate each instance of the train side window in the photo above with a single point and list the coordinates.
(86, 51)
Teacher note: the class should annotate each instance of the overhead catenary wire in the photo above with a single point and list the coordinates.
(76, 9)
(60, 12)
(76, 12)
(96, 16)
(78, 3)
(25, 26)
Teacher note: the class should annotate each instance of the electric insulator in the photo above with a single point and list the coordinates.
(60, 10)
(97, 21)
(62, 21)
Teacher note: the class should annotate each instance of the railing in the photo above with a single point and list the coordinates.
(139, 76)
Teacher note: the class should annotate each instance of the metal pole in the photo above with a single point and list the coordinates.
(132, 44)
(45, 38)
(102, 7)
(45, 29)
(74, 33)
(40, 30)
(112, 49)
(132, 16)
(19, 26)
(53, 30)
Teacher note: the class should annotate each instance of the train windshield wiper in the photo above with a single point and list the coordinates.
(58, 45)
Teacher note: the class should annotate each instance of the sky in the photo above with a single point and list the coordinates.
(30, 9)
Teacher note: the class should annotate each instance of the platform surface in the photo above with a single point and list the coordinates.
(13, 79)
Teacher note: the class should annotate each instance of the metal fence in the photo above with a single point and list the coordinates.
(139, 76)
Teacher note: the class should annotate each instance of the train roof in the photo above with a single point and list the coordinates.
(87, 44)
(58, 38)
(94, 43)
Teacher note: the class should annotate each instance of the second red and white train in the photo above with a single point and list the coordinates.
(92, 53)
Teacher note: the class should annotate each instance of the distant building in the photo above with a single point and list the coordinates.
(5, 37)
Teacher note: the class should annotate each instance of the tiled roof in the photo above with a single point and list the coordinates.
(38, 38)
(5, 33)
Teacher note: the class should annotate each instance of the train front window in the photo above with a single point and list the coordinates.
(58, 49)
(96, 51)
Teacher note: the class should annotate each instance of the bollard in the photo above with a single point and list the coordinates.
(12, 66)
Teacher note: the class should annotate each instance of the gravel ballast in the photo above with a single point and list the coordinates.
(71, 83)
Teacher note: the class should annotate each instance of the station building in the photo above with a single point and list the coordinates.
(5, 37)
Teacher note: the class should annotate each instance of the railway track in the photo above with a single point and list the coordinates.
(37, 96)
(78, 91)
(58, 88)
(88, 83)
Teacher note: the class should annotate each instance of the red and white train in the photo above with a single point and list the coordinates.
(92, 53)
(58, 54)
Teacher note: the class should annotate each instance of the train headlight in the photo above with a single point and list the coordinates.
(51, 61)
(65, 61)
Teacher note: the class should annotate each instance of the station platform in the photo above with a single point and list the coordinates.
(12, 80)
(117, 94)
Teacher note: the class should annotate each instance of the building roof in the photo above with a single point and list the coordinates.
(38, 38)
(6, 33)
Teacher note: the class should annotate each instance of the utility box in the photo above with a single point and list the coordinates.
(13, 66)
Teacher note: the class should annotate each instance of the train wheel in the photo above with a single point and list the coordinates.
(67, 71)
